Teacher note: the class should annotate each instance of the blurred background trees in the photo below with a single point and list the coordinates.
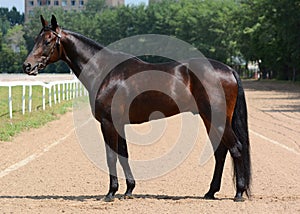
(12, 43)
(266, 32)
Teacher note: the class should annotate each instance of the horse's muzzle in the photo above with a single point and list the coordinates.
(28, 69)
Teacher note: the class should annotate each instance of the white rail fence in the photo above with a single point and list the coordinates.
(57, 91)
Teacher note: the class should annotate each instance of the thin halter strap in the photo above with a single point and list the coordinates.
(57, 43)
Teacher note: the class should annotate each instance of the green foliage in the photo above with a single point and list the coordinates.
(4, 25)
(12, 16)
(13, 50)
(12, 44)
(270, 33)
(95, 6)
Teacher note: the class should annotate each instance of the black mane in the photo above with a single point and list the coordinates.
(86, 40)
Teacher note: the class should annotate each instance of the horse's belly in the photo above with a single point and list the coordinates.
(156, 105)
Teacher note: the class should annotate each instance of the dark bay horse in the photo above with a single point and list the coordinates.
(181, 91)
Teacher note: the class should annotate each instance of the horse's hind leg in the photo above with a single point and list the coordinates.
(123, 158)
(220, 155)
(231, 143)
(235, 149)
(239, 171)
(110, 136)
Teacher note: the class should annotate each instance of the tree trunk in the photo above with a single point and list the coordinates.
(294, 74)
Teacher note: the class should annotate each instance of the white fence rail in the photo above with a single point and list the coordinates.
(57, 91)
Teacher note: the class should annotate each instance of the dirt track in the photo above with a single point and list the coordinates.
(45, 170)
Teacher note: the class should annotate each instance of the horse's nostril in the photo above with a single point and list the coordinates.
(26, 67)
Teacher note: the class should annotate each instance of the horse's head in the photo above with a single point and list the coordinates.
(46, 49)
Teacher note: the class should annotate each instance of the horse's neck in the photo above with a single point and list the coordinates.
(83, 56)
(90, 61)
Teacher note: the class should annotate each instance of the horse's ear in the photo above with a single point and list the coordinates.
(44, 22)
(54, 24)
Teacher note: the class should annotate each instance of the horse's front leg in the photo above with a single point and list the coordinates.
(110, 136)
(123, 158)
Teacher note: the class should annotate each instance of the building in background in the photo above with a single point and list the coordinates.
(65, 4)
(155, 1)
(114, 3)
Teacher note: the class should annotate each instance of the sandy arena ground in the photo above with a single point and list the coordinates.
(45, 171)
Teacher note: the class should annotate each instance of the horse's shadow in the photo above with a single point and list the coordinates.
(101, 197)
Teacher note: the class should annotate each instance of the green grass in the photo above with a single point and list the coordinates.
(35, 119)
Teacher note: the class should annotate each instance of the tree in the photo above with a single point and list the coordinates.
(94, 6)
(13, 51)
(1, 38)
(4, 22)
(12, 44)
(14, 38)
(12, 16)
(270, 34)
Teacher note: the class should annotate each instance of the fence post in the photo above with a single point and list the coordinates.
(67, 89)
(74, 89)
(58, 92)
(54, 93)
(77, 89)
(23, 99)
(64, 91)
(80, 89)
(50, 96)
(30, 98)
(10, 102)
(70, 91)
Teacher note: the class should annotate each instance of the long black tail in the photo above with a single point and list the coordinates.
(240, 128)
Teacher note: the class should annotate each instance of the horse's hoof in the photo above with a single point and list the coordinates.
(238, 199)
(208, 196)
(109, 199)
